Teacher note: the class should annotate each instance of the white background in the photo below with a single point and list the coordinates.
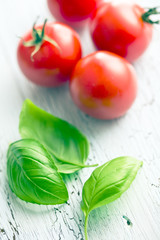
(136, 134)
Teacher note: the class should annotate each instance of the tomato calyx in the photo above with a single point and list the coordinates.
(150, 12)
(38, 39)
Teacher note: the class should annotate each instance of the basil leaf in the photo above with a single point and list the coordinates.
(63, 141)
(107, 183)
(32, 174)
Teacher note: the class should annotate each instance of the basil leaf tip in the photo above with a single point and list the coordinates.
(67, 145)
(107, 183)
(32, 174)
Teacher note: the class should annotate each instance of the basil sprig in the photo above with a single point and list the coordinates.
(32, 174)
(51, 146)
(68, 146)
(107, 183)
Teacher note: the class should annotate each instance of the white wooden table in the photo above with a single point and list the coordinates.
(136, 134)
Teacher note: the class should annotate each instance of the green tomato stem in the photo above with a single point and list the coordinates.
(39, 38)
(86, 226)
(147, 14)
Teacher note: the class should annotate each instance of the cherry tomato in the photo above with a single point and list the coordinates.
(122, 29)
(48, 53)
(103, 85)
(72, 10)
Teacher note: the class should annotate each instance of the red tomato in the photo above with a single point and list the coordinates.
(120, 29)
(56, 54)
(72, 10)
(103, 85)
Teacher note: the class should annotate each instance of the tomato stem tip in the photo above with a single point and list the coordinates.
(38, 39)
(150, 12)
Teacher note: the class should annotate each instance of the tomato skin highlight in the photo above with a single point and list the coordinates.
(51, 66)
(103, 85)
(72, 10)
(119, 28)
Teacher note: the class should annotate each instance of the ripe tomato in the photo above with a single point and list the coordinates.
(121, 29)
(72, 10)
(103, 85)
(48, 53)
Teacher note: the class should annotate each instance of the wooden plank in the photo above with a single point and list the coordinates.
(136, 134)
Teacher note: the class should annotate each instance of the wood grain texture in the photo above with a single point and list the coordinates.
(136, 134)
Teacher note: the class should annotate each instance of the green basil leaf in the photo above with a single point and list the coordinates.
(107, 183)
(63, 141)
(32, 174)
